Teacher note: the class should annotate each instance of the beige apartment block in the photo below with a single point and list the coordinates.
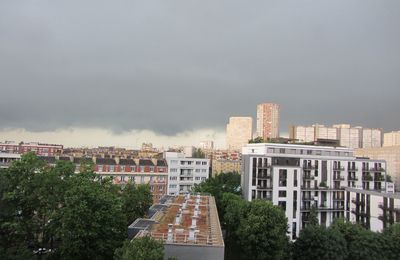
(268, 120)
(390, 154)
(391, 138)
(238, 132)
(224, 166)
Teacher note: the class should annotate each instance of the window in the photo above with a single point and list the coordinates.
(174, 161)
(174, 170)
(295, 178)
(152, 169)
(203, 178)
(133, 168)
(282, 178)
(282, 194)
(133, 178)
(173, 178)
(111, 168)
(100, 168)
(172, 186)
(197, 170)
(141, 168)
(121, 178)
(282, 204)
(197, 178)
(204, 163)
(198, 163)
(203, 170)
(142, 179)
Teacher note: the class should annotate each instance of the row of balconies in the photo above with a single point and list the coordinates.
(395, 208)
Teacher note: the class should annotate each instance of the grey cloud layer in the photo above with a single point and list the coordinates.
(171, 66)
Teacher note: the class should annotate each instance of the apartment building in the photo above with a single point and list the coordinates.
(268, 120)
(7, 158)
(40, 149)
(298, 177)
(348, 136)
(373, 210)
(391, 139)
(391, 154)
(224, 166)
(140, 171)
(185, 172)
(239, 131)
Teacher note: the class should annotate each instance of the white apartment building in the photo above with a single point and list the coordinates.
(185, 172)
(298, 177)
(239, 131)
(373, 210)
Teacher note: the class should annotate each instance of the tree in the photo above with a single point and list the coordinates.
(262, 231)
(143, 248)
(361, 243)
(390, 242)
(198, 153)
(316, 242)
(221, 183)
(136, 200)
(257, 140)
(312, 218)
(92, 223)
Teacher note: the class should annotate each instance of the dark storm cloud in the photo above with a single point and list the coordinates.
(171, 66)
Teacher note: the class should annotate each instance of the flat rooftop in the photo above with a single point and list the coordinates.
(184, 220)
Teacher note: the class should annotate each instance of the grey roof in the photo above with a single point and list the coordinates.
(127, 162)
(145, 162)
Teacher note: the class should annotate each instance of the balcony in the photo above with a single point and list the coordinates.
(361, 214)
(304, 187)
(264, 166)
(338, 178)
(338, 199)
(352, 169)
(377, 169)
(367, 177)
(309, 167)
(260, 187)
(338, 168)
(379, 178)
(263, 176)
(358, 202)
(308, 198)
(308, 177)
(352, 178)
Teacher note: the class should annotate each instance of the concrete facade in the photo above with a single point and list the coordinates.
(268, 120)
(239, 131)
(391, 138)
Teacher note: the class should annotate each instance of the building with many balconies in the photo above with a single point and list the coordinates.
(299, 177)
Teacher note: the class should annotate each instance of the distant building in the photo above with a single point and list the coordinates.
(185, 172)
(268, 120)
(188, 226)
(7, 158)
(206, 145)
(352, 137)
(40, 149)
(373, 210)
(391, 154)
(224, 166)
(239, 131)
(391, 138)
(298, 177)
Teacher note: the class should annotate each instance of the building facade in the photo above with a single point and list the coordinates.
(40, 149)
(391, 154)
(224, 166)
(391, 138)
(7, 158)
(298, 177)
(373, 210)
(268, 120)
(239, 131)
(185, 172)
(348, 136)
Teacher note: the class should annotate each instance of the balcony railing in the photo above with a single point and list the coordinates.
(377, 169)
(352, 178)
(264, 166)
(338, 178)
(367, 178)
(358, 202)
(268, 187)
(264, 176)
(308, 177)
(352, 169)
(309, 167)
(338, 168)
(379, 178)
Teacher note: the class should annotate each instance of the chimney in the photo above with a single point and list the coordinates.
(170, 234)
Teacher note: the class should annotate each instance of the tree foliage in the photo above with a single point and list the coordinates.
(262, 231)
(198, 153)
(136, 200)
(144, 248)
(52, 210)
(316, 242)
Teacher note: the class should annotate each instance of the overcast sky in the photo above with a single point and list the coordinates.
(179, 69)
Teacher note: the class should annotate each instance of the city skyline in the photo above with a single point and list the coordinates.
(162, 67)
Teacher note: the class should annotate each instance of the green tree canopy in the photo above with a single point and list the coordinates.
(262, 231)
(136, 200)
(316, 242)
(144, 248)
